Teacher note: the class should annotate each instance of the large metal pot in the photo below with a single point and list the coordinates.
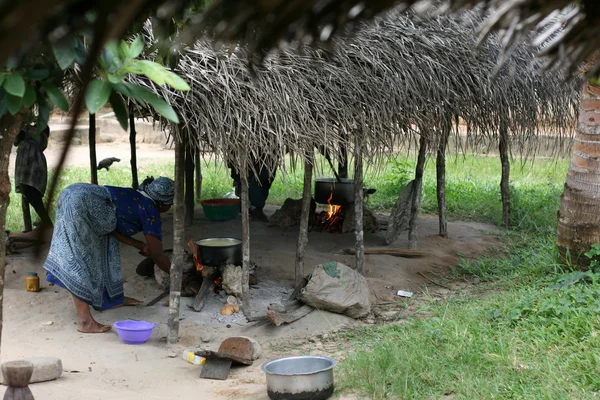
(342, 193)
(300, 378)
(215, 252)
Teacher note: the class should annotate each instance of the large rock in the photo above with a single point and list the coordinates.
(44, 369)
(370, 221)
(290, 212)
(232, 280)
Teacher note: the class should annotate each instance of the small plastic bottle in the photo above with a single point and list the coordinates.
(32, 282)
(192, 358)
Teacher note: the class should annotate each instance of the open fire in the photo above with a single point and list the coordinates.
(332, 219)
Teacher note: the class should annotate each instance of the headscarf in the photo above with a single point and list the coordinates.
(161, 189)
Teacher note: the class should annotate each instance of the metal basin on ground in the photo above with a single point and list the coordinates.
(300, 378)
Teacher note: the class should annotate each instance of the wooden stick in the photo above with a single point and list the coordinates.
(358, 208)
(408, 253)
(208, 285)
(332, 167)
(245, 246)
(198, 177)
(416, 200)
(92, 145)
(432, 281)
(304, 218)
(133, 150)
(189, 186)
(441, 179)
(178, 245)
(505, 179)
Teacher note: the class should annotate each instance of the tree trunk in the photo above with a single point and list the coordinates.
(9, 128)
(441, 180)
(579, 213)
(304, 218)
(246, 309)
(358, 209)
(505, 179)
(132, 145)
(416, 200)
(92, 144)
(198, 178)
(189, 186)
(178, 245)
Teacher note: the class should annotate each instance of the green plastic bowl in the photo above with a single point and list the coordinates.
(221, 209)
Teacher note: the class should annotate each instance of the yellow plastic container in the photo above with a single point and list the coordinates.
(32, 282)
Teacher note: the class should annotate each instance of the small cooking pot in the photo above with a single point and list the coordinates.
(215, 252)
(300, 378)
(342, 193)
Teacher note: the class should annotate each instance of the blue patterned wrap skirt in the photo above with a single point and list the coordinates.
(84, 257)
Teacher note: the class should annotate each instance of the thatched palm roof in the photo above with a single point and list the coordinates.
(398, 75)
(263, 24)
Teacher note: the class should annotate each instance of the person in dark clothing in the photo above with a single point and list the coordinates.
(258, 189)
(31, 170)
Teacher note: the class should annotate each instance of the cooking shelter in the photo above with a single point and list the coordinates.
(397, 79)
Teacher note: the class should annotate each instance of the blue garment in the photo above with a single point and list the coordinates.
(106, 301)
(135, 212)
(84, 257)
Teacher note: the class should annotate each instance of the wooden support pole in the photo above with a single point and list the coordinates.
(92, 146)
(26, 214)
(416, 199)
(505, 179)
(246, 309)
(304, 219)
(132, 144)
(343, 164)
(358, 209)
(441, 180)
(189, 186)
(178, 245)
(198, 177)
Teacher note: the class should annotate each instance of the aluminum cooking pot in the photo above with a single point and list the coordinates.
(342, 193)
(215, 252)
(300, 378)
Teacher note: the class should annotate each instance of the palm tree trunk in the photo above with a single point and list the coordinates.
(9, 128)
(92, 145)
(440, 166)
(579, 213)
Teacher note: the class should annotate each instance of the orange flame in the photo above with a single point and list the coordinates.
(333, 209)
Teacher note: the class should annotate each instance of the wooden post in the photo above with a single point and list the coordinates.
(416, 199)
(17, 375)
(505, 179)
(198, 177)
(358, 208)
(26, 214)
(441, 179)
(178, 244)
(189, 186)
(245, 246)
(343, 164)
(132, 144)
(92, 145)
(304, 218)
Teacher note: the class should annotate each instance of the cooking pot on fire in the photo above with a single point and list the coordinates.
(215, 252)
(339, 193)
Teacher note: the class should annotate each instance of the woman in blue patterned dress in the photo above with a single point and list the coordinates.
(84, 255)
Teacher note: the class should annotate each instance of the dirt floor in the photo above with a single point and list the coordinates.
(102, 367)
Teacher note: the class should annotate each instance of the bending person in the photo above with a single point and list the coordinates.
(84, 256)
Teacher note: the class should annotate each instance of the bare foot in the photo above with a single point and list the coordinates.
(91, 326)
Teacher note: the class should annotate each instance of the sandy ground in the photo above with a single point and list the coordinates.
(102, 367)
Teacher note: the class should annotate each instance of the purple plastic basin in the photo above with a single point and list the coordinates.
(134, 332)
